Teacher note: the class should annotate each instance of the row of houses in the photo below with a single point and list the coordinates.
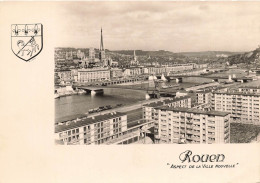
(101, 73)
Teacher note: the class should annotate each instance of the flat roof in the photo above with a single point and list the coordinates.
(207, 91)
(250, 87)
(87, 121)
(238, 93)
(167, 101)
(154, 104)
(192, 110)
(65, 70)
(93, 70)
(69, 118)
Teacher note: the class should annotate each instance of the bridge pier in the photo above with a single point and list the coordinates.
(147, 96)
(178, 80)
(98, 91)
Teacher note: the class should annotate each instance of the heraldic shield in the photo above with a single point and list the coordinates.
(27, 40)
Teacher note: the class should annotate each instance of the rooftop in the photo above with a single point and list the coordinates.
(192, 110)
(69, 118)
(64, 70)
(167, 101)
(87, 121)
(238, 93)
(154, 104)
(93, 69)
(205, 91)
(250, 87)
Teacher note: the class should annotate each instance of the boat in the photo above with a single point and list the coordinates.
(119, 105)
(109, 107)
(91, 111)
(96, 109)
(102, 108)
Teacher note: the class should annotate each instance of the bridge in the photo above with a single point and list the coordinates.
(150, 92)
(204, 76)
(242, 80)
(214, 78)
(91, 90)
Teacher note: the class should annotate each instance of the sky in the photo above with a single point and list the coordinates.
(172, 26)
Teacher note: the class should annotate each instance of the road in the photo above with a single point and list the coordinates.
(134, 112)
(133, 116)
(127, 108)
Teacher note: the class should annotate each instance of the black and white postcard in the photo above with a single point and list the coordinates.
(127, 91)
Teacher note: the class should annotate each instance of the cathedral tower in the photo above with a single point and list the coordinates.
(102, 55)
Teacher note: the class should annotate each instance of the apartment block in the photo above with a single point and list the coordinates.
(185, 125)
(96, 130)
(244, 107)
(204, 97)
(93, 75)
(148, 110)
(249, 89)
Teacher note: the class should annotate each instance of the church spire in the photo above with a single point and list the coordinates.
(101, 42)
(102, 55)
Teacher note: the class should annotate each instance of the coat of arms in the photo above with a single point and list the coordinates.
(27, 41)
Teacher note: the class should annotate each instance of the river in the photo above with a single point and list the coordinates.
(79, 104)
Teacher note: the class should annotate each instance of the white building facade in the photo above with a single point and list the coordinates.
(93, 75)
(243, 107)
(95, 130)
(183, 125)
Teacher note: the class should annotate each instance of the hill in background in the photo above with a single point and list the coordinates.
(146, 53)
(209, 54)
(247, 58)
